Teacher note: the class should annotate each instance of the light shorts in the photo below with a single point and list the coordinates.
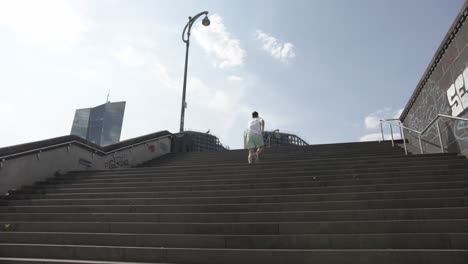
(254, 141)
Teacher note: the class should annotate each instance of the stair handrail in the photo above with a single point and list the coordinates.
(420, 133)
(402, 131)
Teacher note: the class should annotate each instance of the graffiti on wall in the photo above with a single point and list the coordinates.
(430, 102)
(117, 161)
(457, 94)
(151, 148)
(163, 146)
(85, 162)
(460, 129)
(160, 145)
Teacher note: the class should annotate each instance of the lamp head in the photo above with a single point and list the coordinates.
(206, 21)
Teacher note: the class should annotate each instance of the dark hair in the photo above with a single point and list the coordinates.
(254, 114)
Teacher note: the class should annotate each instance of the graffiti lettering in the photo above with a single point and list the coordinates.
(460, 129)
(457, 94)
(117, 162)
(151, 148)
(163, 146)
(85, 162)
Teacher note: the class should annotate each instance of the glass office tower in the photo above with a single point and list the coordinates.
(101, 125)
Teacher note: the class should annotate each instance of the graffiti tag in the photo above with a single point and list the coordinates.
(85, 162)
(460, 128)
(163, 146)
(457, 94)
(117, 162)
(151, 148)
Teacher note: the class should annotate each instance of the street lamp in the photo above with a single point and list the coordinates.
(186, 40)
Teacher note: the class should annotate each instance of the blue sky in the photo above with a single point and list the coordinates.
(325, 70)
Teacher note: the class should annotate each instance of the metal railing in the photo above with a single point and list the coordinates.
(420, 133)
(270, 135)
(268, 140)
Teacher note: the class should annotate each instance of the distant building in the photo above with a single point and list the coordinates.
(276, 138)
(101, 125)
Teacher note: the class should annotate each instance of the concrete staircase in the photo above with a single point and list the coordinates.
(340, 203)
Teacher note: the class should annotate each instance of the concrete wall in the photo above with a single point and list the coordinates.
(442, 89)
(27, 169)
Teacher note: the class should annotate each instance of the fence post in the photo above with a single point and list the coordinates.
(381, 130)
(420, 144)
(402, 135)
(440, 138)
(391, 133)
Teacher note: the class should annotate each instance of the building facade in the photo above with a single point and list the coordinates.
(101, 125)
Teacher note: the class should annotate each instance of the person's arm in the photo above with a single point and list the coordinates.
(263, 126)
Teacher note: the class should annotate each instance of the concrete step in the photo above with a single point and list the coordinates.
(342, 201)
(241, 228)
(407, 170)
(268, 154)
(299, 158)
(314, 241)
(64, 215)
(117, 191)
(272, 152)
(279, 151)
(271, 158)
(255, 183)
(306, 163)
(181, 161)
(234, 256)
(297, 149)
(60, 261)
(355, 164)
(267, 195)
(280, 176)
(316, 161)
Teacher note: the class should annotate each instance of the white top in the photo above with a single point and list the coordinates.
(254, 126)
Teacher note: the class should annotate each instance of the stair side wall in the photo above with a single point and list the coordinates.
(436, 94)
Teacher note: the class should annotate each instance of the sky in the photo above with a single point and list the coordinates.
(325, 70)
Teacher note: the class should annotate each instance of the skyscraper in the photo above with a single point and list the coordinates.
(101, 125)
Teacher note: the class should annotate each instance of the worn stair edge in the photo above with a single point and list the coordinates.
(234, 256)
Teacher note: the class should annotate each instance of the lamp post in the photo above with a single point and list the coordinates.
(186, 40)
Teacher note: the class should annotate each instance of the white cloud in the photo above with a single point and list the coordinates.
(282, 52)
(217, 41)
(53, 23)
(372, 121)
(162, 75)
(378, 137)
(235, 79)
(136, 54)
(130, 57)
(220, 110)
(223, 101)
(209, 106)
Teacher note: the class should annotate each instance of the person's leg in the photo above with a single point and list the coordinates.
(251, 155)
(260, 144)
(251, 147)
(259, 150)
